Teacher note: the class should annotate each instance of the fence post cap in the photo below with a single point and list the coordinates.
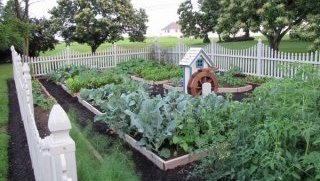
(58, 120)
(25, 68)
(12, 48)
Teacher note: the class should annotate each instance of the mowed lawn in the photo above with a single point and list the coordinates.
(5, 74)
(287, 45)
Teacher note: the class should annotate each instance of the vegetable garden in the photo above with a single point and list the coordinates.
(269, 133)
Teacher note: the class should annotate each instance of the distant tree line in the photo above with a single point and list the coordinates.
(90, 22)
(272, 18)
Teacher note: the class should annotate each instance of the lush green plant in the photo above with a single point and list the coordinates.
(276, 136)
(176, 120)
(64, 73)
(99, 96)
(229, 79)
(92, 80)
(256, 79)
(150, 70)
(176, 82)
(39, 99)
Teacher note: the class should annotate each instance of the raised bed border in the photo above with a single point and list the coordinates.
(150, 82)
(220, 89)
(159, 162)
(170, 87)
(235, 89)
(89, 106)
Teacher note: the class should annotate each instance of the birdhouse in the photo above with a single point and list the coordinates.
(195, 61)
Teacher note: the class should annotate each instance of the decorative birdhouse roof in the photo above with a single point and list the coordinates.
(192, 55)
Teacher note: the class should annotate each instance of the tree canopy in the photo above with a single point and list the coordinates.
(272, 18)
(14, 30)
(98, 21)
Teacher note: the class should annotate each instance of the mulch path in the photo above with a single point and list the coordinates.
(20, 167)
(147, 170)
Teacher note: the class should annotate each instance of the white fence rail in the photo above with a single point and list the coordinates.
(258, 60)
(53, 158)
(109, 58)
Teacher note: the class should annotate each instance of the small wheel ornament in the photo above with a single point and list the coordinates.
(199, 78)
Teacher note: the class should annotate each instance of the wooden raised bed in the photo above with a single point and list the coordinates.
(220, 89)
(235, 89)
(170, 87)
(150, 82)
(89, 106)
(159, 162)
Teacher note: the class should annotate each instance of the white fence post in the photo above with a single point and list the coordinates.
(68, 55)
(259, 57)
(179, 49)
(62, 147)
(28, 84)
(114, 52)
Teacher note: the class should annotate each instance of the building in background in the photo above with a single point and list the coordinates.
(172, 29)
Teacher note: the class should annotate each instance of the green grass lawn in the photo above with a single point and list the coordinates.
(287, 45)
(5, 73)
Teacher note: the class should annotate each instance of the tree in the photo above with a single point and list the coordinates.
(13, 31)
(234, 17)
(199, 23)
(309, 30)
(42, 36)
(210, 11)
(275, 18)
(95, 22)
(187, 19)
(138, 27)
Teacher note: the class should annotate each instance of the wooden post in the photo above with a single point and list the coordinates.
(114, 52)
(157, 50)
(62, 147)
(259, 57)
(68, 55)
(179, 49)
(27, 82)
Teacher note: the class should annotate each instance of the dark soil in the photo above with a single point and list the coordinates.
(42, 118)
(156, 90)
(147, 170)
(20, 167)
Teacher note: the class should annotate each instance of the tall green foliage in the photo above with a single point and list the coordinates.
(276, 135)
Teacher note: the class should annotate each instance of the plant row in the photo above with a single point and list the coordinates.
(150, 70)
(76, 77)
(39, 98)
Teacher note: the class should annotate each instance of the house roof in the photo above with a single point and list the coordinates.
(192, 55)
(173, 25)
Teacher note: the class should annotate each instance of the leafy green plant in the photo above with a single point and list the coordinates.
(276, 135)
(39, 99)
(92, 80)
(229, 79)
(64, 73)
(150, 70)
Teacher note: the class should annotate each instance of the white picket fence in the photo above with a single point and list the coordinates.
(259, 60)
(53, 158)
(106, 59)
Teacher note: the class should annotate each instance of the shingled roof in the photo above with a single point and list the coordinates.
(192, 55)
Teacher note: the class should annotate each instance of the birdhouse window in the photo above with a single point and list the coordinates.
(199, 63)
